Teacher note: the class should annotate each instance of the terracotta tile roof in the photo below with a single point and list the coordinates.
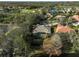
(75, 17)
(64, 29)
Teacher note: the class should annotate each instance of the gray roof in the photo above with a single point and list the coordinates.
(42, 29)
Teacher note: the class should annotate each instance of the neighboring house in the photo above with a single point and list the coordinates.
(59, 16)
(61, 19)
(76, 24)
(42, 30)
(63, 29)
(76, 19)
(40, 33)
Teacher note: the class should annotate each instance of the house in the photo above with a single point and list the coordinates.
(63, 29)
(59, 16)
(75, 24)
(76, 19)
(60, 19)
(42, 30)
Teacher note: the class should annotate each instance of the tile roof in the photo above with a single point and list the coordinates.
(75, 17)
(64, 29)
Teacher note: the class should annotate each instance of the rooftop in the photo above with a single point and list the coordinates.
(64, 29)
(75, 17)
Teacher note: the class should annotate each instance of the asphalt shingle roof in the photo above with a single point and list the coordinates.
(42, 28)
